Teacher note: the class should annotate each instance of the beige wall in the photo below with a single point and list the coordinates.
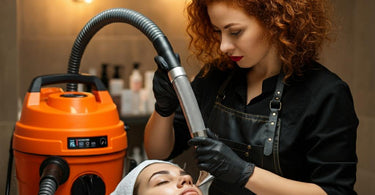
(8, 60)
(363, 89)
(8, 82)
(47, 29)
(352, 57)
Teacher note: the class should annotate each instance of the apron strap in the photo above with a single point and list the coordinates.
(275, 107)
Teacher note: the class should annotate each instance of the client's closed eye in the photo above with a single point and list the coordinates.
(162, 182)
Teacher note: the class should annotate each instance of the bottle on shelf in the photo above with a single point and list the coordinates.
(135, 82)
(116, 84)
(149, 94)
(104, 75)
(136, 78)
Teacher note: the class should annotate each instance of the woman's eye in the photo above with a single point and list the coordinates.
(235, 33)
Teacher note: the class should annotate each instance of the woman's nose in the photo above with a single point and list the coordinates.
(184, 180)
(226, 45)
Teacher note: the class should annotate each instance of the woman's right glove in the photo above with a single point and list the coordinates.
(220, 160)
(166, 98)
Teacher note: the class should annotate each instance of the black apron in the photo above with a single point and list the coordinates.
(254, 138)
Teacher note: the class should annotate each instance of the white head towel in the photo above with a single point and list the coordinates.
(126, 185)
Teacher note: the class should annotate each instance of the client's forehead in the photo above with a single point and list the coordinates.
(162, 168)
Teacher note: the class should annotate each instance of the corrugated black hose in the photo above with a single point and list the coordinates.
(166, 60)
(120, 15)
(54, 171)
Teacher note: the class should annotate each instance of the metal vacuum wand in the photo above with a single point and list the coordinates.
(187, 101)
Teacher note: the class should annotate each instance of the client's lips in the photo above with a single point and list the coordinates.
(236, 58)
(190, 192)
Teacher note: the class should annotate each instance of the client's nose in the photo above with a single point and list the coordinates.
(184, 180)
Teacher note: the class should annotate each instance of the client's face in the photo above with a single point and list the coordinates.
(166, 179)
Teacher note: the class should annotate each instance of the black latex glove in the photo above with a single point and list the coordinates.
(219, 160)
(166, 98)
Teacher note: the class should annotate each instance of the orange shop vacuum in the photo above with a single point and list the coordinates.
(68, 142)
(73, 142)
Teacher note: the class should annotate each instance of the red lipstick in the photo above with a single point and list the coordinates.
(236, 58)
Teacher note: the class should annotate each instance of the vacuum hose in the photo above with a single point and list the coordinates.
(116, 15)
(54, 171)
(166, 59)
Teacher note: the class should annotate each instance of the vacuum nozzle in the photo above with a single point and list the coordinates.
(53, 171)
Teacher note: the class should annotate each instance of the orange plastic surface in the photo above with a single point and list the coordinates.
(108, 167)
(46, 122)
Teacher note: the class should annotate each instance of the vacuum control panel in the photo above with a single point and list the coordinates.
(87, 142)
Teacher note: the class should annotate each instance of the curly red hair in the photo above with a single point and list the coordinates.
(297, 28)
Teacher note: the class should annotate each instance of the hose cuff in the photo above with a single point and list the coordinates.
(163, 112)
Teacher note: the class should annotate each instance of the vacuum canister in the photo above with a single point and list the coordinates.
(74, 139)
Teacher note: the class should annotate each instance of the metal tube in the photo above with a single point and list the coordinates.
(188, 101)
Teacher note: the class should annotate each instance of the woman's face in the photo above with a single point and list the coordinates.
(166, 179)
(243, 39)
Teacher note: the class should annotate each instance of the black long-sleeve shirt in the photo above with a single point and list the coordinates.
(318, 123)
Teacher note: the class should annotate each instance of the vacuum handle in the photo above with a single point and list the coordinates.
(39, 81)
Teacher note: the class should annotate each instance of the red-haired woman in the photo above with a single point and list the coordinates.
(280, 122)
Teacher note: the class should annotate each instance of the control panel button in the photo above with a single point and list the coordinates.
(103, 141)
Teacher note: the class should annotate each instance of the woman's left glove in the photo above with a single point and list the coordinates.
(166, 98)
(219, 160)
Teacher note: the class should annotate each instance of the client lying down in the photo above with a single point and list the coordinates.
(152, 177)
